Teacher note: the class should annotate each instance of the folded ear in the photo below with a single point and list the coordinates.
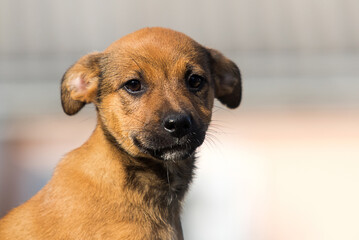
(227, 78)
(79, 83)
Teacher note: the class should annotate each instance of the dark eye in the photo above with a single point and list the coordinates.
(195, 82)
(133, 86)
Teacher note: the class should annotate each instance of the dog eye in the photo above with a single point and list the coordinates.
(195, 82)
(133, 86)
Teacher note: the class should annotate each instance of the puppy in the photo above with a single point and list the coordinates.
(153, 91)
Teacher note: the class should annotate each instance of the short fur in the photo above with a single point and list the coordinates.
(129, 179)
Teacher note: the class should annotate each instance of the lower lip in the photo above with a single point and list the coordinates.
(174, 150)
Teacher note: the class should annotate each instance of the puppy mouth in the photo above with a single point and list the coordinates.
(172, 152)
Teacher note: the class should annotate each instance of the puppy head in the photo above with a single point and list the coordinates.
(154, 91)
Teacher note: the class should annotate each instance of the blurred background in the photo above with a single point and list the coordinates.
(285, 165)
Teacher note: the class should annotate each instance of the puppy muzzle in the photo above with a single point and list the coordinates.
(177, 139)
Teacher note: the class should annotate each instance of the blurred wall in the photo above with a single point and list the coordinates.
(57, 26)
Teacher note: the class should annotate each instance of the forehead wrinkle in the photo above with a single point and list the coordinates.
(145, 61)
(162, 62)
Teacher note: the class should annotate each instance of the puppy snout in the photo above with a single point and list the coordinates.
(178, 125)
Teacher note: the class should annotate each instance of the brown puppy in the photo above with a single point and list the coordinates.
(153, 91)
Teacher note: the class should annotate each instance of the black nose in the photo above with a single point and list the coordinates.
(178, 125)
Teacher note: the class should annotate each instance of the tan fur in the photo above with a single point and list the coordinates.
(110, 188)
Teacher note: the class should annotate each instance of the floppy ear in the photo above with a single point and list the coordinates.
(227, 79)
(79, 83)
